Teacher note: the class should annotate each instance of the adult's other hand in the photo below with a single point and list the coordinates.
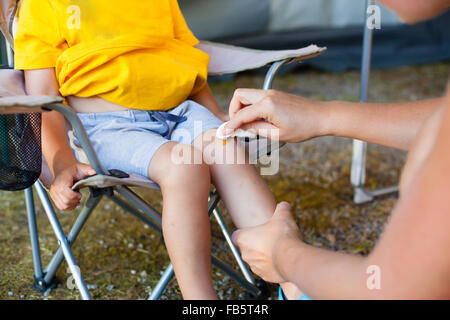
(261, 245)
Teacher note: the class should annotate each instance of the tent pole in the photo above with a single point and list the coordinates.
(358, 171)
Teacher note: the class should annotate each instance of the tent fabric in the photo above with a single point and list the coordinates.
(393, 46)
(288, 15)
(213, 19)
(336, 24)
(216, 19)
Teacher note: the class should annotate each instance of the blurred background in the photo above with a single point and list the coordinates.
(122, 259)
(336, 24)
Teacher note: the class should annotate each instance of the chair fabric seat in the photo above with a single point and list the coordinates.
(257, 148)
(228, 59)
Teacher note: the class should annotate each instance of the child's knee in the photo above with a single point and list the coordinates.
(217, 151)
(186, 174)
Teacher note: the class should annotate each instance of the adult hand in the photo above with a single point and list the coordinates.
(61, 190)
(223, 116)
(294, 118)
(260, 246)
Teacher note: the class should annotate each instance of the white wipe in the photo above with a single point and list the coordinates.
(239, 133)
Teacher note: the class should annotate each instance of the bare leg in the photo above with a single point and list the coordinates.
(186, 227)
(245, 194)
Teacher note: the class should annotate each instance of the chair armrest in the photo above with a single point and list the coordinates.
(104, 181)
(13, 98)
(99, 180)
(226, 59)
(25, 104)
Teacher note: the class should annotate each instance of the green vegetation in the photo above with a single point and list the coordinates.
(122, 259)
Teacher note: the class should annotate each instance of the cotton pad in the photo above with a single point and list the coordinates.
(239, 133)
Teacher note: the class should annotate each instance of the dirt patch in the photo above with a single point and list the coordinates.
(122, 259)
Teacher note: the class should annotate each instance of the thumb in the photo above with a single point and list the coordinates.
(283, 210)
(84, 170)
(235, 236)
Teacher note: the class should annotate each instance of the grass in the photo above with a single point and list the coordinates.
(122, 259)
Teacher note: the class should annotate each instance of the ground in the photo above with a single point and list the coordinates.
(122, 259)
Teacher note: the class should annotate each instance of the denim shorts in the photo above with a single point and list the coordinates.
(127, 140)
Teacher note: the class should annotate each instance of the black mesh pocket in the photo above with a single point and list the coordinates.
(20, 150)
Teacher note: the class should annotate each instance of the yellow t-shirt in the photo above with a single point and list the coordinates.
(137, 53)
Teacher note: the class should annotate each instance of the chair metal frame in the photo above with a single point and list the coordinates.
(358, 168)
(132, 203)
(44, 279)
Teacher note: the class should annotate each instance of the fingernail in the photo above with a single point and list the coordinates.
(285, 205)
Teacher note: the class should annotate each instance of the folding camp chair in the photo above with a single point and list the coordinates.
(224, 59)
(358, 171)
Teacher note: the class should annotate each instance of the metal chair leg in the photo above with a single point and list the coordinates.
(38, 273)
(64, 244)
(57, 259)
(233, 248)
(247, 283)
(251, 288)
(358, 171)
(162, 283)
(169, 273)
(127, 207)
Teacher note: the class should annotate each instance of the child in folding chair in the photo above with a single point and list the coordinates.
(131, 71)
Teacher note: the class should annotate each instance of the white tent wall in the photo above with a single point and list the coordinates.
(336, 24)
(298, 14)
(211, 19)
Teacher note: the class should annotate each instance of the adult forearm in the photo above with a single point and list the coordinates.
(322, 274)
(389, 124)
(298, 119)
(410, 260)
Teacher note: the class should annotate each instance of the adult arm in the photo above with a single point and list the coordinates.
(412, 255)
(298, 119)
(55, 145)
(416, 11)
